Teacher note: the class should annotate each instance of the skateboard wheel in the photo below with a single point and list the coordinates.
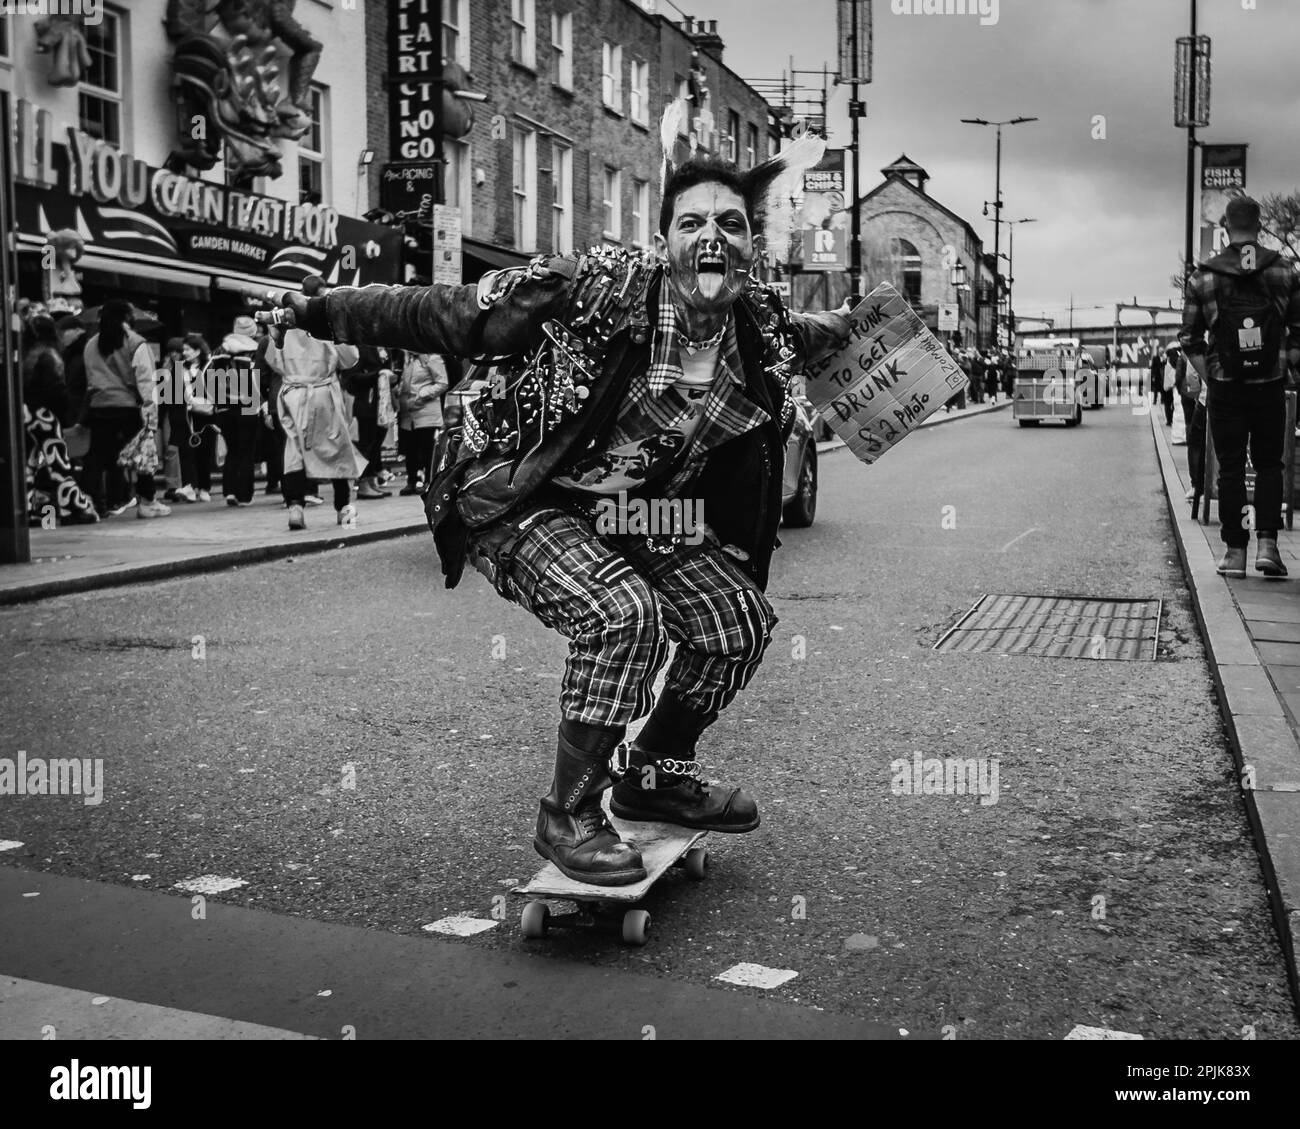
(697, 863)
(636, 924)
(534, 919)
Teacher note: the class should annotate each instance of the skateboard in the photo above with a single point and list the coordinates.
(662, 846)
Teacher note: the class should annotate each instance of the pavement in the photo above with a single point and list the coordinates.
(198, 537)
(206, 537)
(1251, 629)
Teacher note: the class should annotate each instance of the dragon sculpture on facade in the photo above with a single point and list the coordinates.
(228, 83)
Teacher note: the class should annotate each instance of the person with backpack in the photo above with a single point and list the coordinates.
(1241, 329)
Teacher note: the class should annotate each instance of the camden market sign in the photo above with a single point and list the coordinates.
(119, 204)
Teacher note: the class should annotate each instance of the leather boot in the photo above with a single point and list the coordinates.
(1233, 563)
(572, 831)
(665, 787)
(1267, 559)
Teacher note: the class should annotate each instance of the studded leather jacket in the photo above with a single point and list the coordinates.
(566, 334)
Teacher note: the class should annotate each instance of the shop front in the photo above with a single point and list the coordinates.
(93, 223)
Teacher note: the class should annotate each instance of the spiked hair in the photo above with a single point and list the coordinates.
(767, 188)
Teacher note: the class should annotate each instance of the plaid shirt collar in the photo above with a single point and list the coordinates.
(665, 351)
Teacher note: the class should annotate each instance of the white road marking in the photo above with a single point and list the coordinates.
(756, 976)
(1026, 533)
(209, 884)
(1081, 1032)
(9, 844)
(460, 925)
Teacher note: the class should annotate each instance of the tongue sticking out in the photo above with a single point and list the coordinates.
(710, 283)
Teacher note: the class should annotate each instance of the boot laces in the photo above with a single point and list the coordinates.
(591, 821)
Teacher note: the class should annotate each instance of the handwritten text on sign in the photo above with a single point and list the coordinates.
(891, 374)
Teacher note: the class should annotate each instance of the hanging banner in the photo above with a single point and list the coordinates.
(413, 40)
(1223, 176)
(891, 376)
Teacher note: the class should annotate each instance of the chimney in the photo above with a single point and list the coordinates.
(704, 34)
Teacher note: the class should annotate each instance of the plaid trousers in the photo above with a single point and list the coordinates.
(619, 604)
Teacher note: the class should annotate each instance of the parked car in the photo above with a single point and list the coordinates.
(799, 496)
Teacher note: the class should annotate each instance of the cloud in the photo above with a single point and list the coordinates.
(1110, 212)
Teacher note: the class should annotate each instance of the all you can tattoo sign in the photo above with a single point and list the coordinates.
(891, 375)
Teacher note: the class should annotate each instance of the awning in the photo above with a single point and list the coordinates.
(479, 258)
(150, 274)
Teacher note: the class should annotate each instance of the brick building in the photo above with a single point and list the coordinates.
(912, 240)
(565, 150)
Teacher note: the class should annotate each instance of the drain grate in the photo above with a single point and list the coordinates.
(1057, 627)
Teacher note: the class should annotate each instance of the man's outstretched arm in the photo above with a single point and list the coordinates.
(458, 320)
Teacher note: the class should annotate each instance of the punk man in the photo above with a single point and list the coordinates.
(655, 377)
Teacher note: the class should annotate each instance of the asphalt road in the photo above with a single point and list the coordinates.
(1112, 884)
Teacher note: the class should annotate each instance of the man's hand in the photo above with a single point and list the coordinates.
(292, 300)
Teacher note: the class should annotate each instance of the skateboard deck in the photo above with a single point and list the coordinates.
(662, 845)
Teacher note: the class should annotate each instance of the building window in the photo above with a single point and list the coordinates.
(523, 27)
(562, 49)
(561, 198)
(908, 261)
(525, 188)
(4, 37)
(731, 143)
(613, 204)
(611, 81)
(311, 152)
(99, 97)
(455, 32)
(638, 92)
(641, 212)
(751, 145)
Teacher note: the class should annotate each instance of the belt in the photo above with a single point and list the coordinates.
(586, 506)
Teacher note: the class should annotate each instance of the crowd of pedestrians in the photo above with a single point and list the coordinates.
(990, 372)
(116, 425)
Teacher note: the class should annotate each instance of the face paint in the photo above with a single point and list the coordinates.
(709, 250)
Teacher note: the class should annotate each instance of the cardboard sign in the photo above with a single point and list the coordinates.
(890, 376)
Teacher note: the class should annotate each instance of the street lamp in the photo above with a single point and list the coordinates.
(1011, 271)
(958, 280)
(997, 204)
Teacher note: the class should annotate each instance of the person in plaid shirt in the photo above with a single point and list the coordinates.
(631, 376)
(1241, 330)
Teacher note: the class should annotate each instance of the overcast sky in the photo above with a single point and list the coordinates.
(1110, 213)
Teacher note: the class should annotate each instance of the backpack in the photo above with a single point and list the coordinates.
(1248, 332)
